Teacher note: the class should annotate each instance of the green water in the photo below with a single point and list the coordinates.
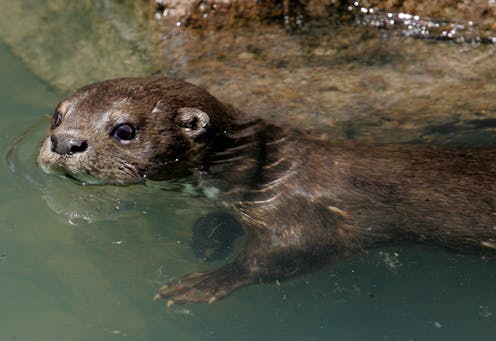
(82, 263)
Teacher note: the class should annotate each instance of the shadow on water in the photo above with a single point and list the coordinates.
(82, 262)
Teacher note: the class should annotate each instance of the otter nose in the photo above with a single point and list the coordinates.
(67, 146)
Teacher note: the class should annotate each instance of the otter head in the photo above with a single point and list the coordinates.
(121, 131)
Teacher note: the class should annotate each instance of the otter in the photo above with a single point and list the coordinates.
(304, 199)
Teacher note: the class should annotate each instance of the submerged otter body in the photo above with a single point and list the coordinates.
(304, 200)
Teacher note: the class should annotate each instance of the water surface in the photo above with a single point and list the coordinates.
(82, 262)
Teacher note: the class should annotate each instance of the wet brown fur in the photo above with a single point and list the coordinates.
(304, 199)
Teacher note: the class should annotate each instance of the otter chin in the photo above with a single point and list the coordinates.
(304, 200)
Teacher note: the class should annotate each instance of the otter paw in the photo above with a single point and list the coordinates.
(206, 287)
(214, 235)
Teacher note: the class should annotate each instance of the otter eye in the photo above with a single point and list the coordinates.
(124, 132)
(56, 119)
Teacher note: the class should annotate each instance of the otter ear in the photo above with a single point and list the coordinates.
(194, 122)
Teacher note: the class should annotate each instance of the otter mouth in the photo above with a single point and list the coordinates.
(82, 178)
(57, 170)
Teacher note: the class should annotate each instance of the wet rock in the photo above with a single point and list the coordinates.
(294, 13)
(70, 44)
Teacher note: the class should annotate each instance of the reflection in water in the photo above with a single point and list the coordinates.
(96, 281)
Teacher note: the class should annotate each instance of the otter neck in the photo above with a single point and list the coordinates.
(240, 165)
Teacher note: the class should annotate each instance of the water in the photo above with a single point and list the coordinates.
(82, 263)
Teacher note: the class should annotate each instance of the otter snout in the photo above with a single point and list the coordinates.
(64, 145)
